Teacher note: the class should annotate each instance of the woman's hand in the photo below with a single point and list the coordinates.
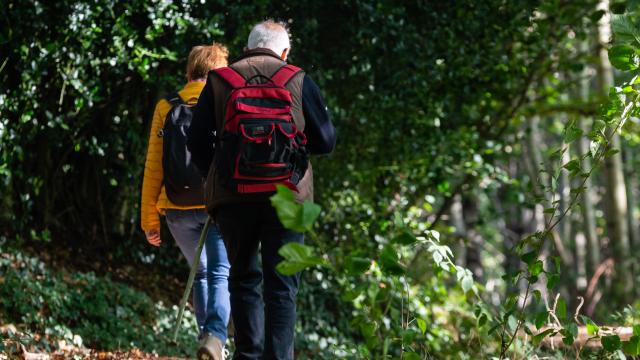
(153, 237)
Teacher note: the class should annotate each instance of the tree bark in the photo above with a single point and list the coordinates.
(615, 194)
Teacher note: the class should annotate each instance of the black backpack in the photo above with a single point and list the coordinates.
(182, 181)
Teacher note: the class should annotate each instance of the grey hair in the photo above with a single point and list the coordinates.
(271, 35)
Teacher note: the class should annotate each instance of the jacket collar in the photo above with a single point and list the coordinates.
(257, 52)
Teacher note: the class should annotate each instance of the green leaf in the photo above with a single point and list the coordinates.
(530, 257)
(572, 133)
(552, 280)
(411, 356)
(624, 30)
(294, 216)
(623, 57)
(467, 281)
(592, 328)
(512, 322)
(368, 328)
(611, 343)
(632, 347)
(636, 330)
(536, 268)
(296, 258)
(541, 319)
(422, 325)
(357, 265)
(538, 338)
(572, 166)
(561, 309)
(389, 261)
(404, 237)
(482, 319)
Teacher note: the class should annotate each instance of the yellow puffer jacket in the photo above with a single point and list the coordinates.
(154, 197)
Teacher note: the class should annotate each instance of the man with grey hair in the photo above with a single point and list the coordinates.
(263, 320)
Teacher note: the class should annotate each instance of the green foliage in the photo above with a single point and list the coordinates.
(296, 258)
(430, 101)
(86, 310)
(298, 217)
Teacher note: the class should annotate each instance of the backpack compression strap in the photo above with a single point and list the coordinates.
(231, 76)
(284, 74)
(174, 99)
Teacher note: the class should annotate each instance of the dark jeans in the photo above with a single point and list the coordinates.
(264, 320)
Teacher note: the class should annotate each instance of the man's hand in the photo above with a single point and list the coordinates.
(153, 237)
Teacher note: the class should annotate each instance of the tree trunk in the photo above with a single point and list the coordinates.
(460, 232)
(615, 194)
(630, 176)
(586, 200)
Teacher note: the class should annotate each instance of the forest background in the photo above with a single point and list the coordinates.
(482, 200)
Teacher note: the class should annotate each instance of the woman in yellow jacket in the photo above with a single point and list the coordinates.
(210, 288)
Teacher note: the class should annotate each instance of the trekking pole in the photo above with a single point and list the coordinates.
(192, 275)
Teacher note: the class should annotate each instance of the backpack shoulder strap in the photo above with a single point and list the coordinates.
(174, 99)
(284, 74)
(231, 76)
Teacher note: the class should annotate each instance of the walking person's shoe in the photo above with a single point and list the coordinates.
(211, 348)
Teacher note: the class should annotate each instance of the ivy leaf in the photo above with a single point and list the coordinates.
(294, 216)
(611, 343)
(296, 258)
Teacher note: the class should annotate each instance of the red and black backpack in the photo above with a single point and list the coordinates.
(259, 145)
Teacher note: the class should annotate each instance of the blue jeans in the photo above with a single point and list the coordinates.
(210, 287)
(263, 320)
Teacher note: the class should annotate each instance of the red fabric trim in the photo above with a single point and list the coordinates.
(304, 137)
(231, 76)
(262, 92)
(255, 188)
(262, 110)
(284, 74)
(289, 135)
(274, 165)
(238, 176)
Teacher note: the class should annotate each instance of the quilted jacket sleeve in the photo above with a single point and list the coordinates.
(152, 181)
